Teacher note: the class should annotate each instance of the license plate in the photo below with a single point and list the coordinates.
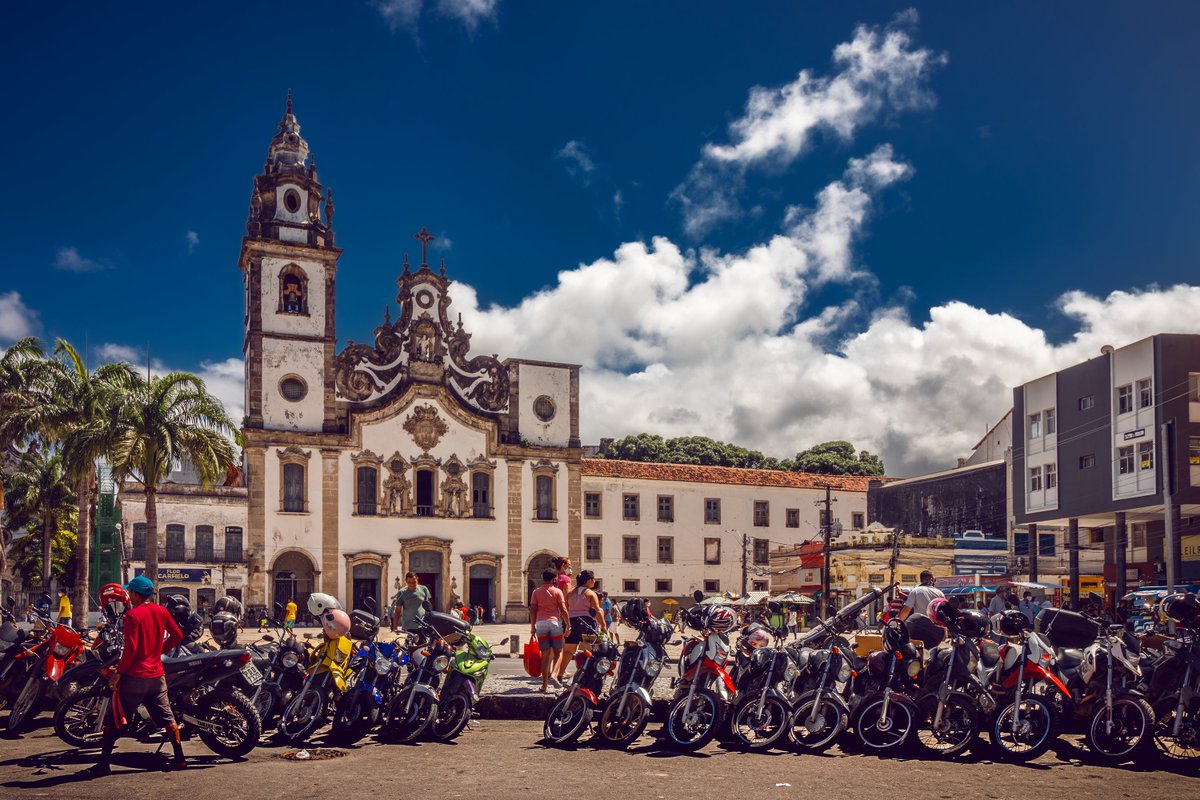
(252, 675)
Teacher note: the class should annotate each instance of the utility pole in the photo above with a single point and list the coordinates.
(1171, 543)
(826, 530)
(745, 567)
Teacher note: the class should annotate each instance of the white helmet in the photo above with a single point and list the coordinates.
(319, 603)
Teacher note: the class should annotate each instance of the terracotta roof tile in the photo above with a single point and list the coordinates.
(692, 473)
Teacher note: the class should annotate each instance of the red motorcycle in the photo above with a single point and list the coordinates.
(1025, 724)
(42, 663)
(703, 690)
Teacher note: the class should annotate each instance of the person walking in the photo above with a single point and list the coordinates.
(793, 619)
(549, 621)
(138, 679)
(409, 604)
(64, 608)
(495, 615)
(289, 616)
(920, 596)
(606, 605)
(1028, 607)
(583, 607)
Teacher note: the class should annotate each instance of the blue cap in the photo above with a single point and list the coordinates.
(142, 585)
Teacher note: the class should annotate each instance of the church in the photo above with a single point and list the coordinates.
(411, 453)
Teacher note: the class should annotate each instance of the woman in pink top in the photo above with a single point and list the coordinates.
(586, 616)
(548, 620)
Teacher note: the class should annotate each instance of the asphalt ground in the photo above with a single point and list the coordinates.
(504, 759)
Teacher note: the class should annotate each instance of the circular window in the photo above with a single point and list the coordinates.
(291, 201)
(424, 298)
(543, 408)
(292, 388)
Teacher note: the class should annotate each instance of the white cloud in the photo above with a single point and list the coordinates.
(577, 160)
(17, 320)
(69, 259)
(407, 13)
(223, 379)
(192, 239)
(878, 71)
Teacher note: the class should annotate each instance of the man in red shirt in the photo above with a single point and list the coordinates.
(138, 678)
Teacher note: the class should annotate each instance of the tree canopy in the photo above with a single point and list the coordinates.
(828, 458)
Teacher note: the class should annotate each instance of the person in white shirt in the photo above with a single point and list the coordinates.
(921, 596)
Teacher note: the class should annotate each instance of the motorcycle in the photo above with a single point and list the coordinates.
(952, 700)
(414, 704)
(12, 644)
(359, 708)
(326, 674)
(462, 688)
(827, 668)
(703, 689)
(571, 714)
(887, 716)
(221, 716)
(283, 671)
(1173, 686)
(762, 677)
(43, 663)
(627, 707)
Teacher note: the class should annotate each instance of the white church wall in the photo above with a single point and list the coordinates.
(540, 380)
(284, 357)
(310, 324)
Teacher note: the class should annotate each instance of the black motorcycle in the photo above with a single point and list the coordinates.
(281, 663)
(571, 714)
(627, 707)
(414, 704)
(762, 676)
(223, 718)
(887, 716)
(1173, 685)
(952, 698)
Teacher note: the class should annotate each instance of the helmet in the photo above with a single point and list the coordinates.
(335, 623)
(319, 603)
(115, 595)
(756, 636)
(224, 627)
(719, 619)
(1012, 622)
(941, 612)
(895, 635)
(972, 622)
(634, 611)
(229, 605)
(1182, 607)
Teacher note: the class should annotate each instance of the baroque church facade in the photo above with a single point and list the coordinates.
(411, 453)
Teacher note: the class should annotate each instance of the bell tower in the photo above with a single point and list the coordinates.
(289, 269)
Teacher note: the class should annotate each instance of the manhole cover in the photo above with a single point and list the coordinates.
(316, 754)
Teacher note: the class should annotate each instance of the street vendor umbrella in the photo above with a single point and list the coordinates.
(670, 601)
(793, 597)
(715, 600)
(1031, 585)
(1146, 593)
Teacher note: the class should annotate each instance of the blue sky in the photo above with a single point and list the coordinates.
(1042, 157)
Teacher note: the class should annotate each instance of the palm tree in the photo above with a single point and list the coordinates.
(78, 417)
(22, 372)
(157, 422)
(39, 492)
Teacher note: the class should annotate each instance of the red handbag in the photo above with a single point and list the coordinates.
(533, 659)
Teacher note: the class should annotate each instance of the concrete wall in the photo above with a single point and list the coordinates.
(943, 505)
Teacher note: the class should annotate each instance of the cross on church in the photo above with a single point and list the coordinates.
(424, 237)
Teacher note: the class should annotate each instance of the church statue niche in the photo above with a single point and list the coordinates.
(397, 488)
(454, 490)
(293, 294)
(422, 346)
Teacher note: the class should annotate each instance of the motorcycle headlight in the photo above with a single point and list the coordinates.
(289, 659)
(482, 651)
(383, 665)
(441, 663)
(61, 650)
(790, 673)
(844, 673)
(653, 668)
(604, 665)
(914, 668)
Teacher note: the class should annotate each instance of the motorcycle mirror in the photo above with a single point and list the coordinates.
(503, 642)
(278, 610)
(370, 605)
(592, 612)
(428, 606)
(308, 636)
(10, 601)
(268, 637)
(774, 607)
(697, 595)
(676, 642)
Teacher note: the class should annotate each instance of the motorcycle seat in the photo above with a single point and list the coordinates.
(1069, 657)
(197, 660)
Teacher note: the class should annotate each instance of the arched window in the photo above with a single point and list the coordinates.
(424, 493)
(545, 497)
(367, 490)
(233, 544)
(139, 541)
(293, 487)
(175, 549)
(204, 543)
(293, 290)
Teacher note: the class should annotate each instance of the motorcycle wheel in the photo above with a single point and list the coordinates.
(302, 716)
(958, 728)
(267, 706)
(238, 723)
(1033, 735)
(620, 727)
(878, 731)
(758, 727)
(1132, 729)
(568, 718)
(453, 714)
(27, 703)
(353, 717)
(1185, 746)
(816, 735)
(405, 723)
(691, 730)
(79, 718)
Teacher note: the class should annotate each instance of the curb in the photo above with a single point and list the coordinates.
(535, 707)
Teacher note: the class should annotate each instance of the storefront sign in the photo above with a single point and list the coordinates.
(176, 575)
(1191, 548)
(1135, 434)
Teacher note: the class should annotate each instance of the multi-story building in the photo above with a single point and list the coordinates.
(1106, 449)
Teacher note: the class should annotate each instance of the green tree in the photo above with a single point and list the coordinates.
(152, 424)
(21, 368)
(27, 557)
(837, 458)
(648, 447)
(39, 497)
